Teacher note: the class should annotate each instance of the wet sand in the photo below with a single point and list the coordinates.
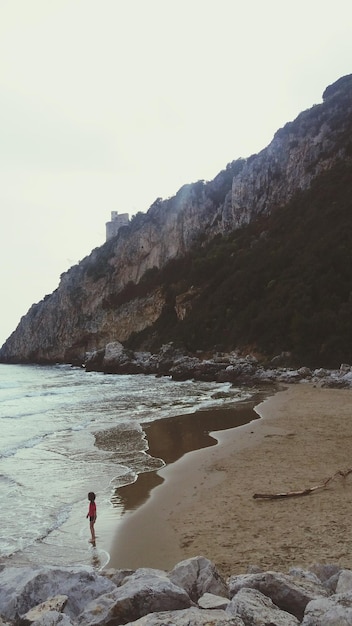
(170, 439)
(202, 503)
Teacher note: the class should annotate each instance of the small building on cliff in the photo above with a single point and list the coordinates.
(115, 224)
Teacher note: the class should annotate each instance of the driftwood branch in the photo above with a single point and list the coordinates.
(303, 492)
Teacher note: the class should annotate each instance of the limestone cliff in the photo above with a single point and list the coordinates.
(96, 302)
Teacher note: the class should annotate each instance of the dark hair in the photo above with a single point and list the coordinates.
(91, 496)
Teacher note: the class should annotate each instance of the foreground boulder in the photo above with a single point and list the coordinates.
(336, 610)
(198, 576)
(23, 588)
(256, 609)
(289, 593)
(145, 591)
(192, 594)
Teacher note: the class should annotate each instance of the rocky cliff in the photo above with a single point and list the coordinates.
(110, 295)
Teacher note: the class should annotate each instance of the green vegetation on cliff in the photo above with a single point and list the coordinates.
(284, 282)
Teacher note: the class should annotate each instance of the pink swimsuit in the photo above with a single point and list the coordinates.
(92, 511)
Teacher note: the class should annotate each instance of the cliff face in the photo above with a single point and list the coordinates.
(92, 305)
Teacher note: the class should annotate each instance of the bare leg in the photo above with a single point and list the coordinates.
(92, 532)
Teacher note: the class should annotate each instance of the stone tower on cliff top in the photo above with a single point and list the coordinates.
(115, 224)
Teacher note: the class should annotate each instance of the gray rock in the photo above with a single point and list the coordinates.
(56, 604)
(210, 601)
(289, 376)
(146, 591)
(320, 373)
(288, 593)
(331, 583)
(117, 576)
(344, 582)
(256, 609)
(327, 573)
(22, 588)
(345, 368)
(52, 618)
(333, 611)
(347, 379)
(324, 571)
(304, 372)
(189, 617)
(228, 367)
(93, 361)
(144, 572)
(150, 597)
(113, 352)
(198, 576)
(302, 574)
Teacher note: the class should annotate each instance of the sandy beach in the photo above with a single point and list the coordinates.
(202, 503)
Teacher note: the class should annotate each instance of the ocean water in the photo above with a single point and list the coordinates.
(49, 459)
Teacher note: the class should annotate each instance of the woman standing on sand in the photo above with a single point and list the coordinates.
(92, 514)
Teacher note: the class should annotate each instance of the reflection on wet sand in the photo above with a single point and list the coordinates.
(169, 439)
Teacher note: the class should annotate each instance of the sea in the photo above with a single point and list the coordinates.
(50, 419)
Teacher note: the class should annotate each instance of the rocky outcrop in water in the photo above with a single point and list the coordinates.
(106, 297)
(192, 594)
(220, 367)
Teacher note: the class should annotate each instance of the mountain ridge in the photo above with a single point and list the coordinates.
(133, 288)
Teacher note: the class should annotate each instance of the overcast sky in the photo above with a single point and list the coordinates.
(108, 104)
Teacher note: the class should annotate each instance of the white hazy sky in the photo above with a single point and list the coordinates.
(107, 104)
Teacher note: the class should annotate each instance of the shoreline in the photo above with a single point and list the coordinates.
(143, 537)
(168, 439)
(204, 504)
